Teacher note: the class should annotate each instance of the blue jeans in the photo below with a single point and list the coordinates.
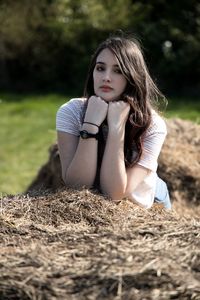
(162, 194)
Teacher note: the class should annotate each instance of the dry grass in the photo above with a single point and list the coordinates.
(79, 245)
(179, 162)
(71, 244)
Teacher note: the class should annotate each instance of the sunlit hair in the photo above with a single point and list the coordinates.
(141, 92)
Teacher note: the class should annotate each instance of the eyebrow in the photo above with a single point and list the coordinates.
(102, 63)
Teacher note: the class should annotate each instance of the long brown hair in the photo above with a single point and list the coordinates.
(140, 91)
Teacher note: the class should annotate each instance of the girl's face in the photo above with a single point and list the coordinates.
(109, 83)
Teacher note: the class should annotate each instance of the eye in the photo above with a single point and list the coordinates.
(118, 71)
(99, 68)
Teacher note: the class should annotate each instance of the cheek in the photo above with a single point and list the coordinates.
(95, 82)
(123, 84)
(95, 77)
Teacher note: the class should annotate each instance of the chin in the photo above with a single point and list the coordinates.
(108, 98)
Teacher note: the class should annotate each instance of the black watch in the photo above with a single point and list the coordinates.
(84, 134)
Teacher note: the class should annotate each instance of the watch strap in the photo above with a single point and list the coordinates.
(84, 134)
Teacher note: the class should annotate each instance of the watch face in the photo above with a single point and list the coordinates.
(84, 134)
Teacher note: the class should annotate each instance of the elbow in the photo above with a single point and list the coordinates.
(76, 183)
(115, 195)
(64, 180)
(67, 183)
(112, 192)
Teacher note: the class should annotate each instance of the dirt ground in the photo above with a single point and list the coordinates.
(67, 244)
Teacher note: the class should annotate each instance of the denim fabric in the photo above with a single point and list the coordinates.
(162, 194)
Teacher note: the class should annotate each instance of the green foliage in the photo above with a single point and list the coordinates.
(49, 43)
(172, 35)
(21, 22)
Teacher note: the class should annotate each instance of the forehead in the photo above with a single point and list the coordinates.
(107, 56)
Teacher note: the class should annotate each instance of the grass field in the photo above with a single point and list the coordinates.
(27, 129)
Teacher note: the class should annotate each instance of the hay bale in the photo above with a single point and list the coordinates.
(49, 175)
(179, 163)
(78, 245)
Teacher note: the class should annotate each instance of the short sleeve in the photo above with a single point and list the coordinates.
(70, 115)
(152, 143)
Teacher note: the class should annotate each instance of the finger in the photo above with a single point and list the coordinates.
(102, 100)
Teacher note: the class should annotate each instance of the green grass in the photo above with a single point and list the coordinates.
(27, 129)
(188, 109)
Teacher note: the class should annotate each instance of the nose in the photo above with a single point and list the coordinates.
(107, 77)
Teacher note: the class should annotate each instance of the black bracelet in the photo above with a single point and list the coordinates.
(91, 123)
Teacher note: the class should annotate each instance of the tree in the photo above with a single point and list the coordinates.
(171, 32)
(49, 43)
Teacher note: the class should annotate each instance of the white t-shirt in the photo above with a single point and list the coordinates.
(70, 118)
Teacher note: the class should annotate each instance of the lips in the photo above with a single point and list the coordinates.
(106, 88)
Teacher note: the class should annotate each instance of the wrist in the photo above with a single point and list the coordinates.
(90, 123)
(90, 128)
(117, 136)
(116, 128)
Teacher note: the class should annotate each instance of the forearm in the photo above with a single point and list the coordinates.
(83, 167)
(113, 177)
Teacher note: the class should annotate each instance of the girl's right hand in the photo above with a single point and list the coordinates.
(96, 110)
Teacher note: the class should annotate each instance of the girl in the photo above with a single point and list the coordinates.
(111, 138)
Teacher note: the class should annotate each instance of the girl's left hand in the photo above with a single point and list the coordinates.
(117, 114)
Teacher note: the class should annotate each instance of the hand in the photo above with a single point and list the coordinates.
(96, 110)
(117, 114)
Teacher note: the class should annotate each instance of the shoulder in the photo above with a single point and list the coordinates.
(153, 140)
(70, 115)
(73, 105)
(157, 125)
